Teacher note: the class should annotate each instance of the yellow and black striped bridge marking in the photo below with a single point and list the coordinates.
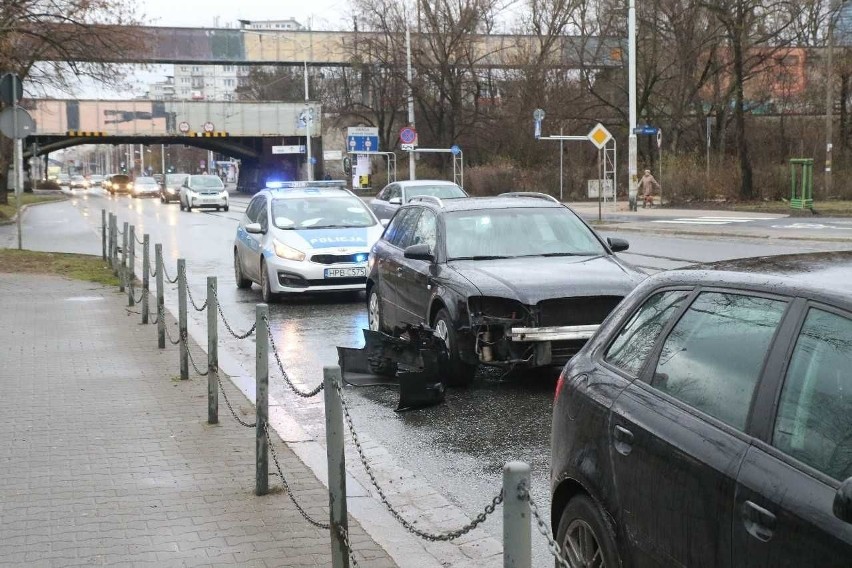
(211, 134)
(87, 133)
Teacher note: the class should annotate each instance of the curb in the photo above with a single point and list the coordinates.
(11, 220)
(737, 235)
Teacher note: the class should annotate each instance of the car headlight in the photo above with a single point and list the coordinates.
(288, 252)
(130, 185)
(170, 189)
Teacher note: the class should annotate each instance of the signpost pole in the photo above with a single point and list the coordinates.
(660, 156)
(600, 187)
(561, 154)
(19, 190)
(411, 174)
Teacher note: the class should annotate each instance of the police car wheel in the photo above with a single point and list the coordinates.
(242, 282)
(265, 289)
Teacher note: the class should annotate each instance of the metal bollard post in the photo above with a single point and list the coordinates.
(113, 246)
(212, 353)
(184, 357)
(261, 477)
(103, 234)
(114, 252)
(146, 276)
(161, 304)
(517, 538)
(336, 466)
(122, 270)
(131, 265)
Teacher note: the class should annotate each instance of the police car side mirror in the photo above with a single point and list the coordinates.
(384, 222)
(395, 201)
(254, 229)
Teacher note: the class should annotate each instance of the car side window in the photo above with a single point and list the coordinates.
(713, 357)
(636, 340)
(402, 227)
(395, 191)
(814, 422)
(383, 194)
(254, 208)
(426, 231)
(263, 215)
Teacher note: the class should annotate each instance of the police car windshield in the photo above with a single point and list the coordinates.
(321, 212)
(516, 232)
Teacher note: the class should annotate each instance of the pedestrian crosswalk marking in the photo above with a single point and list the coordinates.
(712, 220)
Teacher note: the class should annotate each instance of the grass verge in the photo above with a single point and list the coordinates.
(7, 211)
(77, 266)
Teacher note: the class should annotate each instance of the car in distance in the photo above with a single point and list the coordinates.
(145, 186)
(398, 193)
(96, 180)
(304, 237)
(78, 182)
(64, 180)
(119, 183)
(517, 280)
(709, 421)
(203, 191)
(171, 187)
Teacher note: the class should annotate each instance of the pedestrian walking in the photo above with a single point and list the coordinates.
(647, 184)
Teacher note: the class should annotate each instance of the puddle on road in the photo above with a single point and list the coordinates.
(84, 299)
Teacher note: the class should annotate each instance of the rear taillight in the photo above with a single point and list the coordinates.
(559, 383)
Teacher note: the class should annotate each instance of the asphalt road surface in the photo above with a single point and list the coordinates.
(458, 447)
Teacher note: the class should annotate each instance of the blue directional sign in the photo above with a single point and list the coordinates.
(645, 129)
(362, 139)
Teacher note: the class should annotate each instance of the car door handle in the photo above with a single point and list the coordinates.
(623, 440)
(758, 522)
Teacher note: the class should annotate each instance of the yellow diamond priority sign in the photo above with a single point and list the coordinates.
(599, 136)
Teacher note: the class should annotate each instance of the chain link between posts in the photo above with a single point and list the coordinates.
(169, 334)
(142, 293)
(541, 525)
(228, 325)
(185, 339)
(287, 487)
(304, 394)
(138, 240)
(344, 536)
(231, 408)
(433, 537)
(166, 275)
(192, 300)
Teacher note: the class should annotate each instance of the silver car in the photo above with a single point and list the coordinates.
(143, 186)
(171, 187)
(203, 191)
(305, 237)
(385, 204)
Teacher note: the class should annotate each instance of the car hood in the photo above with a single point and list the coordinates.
(330, 240)
(533, 279)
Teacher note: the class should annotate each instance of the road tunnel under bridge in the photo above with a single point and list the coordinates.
(246, 131)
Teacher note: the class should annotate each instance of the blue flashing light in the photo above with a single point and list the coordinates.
(361, 257)
(274, 184)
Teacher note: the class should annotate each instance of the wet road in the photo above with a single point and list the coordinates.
(458, 448)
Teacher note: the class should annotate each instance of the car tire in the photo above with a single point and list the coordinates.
(457, 372)
(379, 364)
(581, 517)
(243, 283)
(225, 208)
(266, 293)
(188, 206)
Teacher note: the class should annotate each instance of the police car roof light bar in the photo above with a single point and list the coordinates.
(306, 184)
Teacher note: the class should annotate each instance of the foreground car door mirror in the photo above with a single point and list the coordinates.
(843, 502)
(419, 252)
(395, 201)
(254, 229)
(617, 245)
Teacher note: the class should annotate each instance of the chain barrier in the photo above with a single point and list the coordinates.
(228, 325)
(192, 300)
(345, 537)
(169, 334)
(138, 240)
(287, 488)
(433, 537)
(304, 394)
(142, 294)
(185, 339)
(552, 545)
(231, 408)
(166, 275)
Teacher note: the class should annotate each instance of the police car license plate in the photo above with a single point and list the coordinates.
(345, 272)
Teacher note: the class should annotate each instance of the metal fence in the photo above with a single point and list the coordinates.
(519, 508)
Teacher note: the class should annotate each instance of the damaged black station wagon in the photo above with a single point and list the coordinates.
(515, 280)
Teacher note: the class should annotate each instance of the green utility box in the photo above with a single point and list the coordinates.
(801, 183)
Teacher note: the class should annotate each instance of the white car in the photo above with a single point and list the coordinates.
(203, 191)
(305, 237)
(143, 186)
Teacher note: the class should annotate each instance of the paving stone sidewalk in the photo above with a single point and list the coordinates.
(106, 457)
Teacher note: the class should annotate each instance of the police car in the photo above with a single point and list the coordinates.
(301, 237)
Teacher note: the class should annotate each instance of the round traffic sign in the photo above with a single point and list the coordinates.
(183, 127)
(407, 135)
(208, 126)
(455, 150)
(538, 114)
(26, 125)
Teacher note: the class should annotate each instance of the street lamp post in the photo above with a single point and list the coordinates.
(632, 149)
(829, 95)
(411, 166)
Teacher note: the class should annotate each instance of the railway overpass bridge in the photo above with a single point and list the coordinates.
(243, 130)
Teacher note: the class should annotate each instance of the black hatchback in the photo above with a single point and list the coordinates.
(709, 421)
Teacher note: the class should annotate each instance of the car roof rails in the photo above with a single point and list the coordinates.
(533, 194)
(428, 198)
